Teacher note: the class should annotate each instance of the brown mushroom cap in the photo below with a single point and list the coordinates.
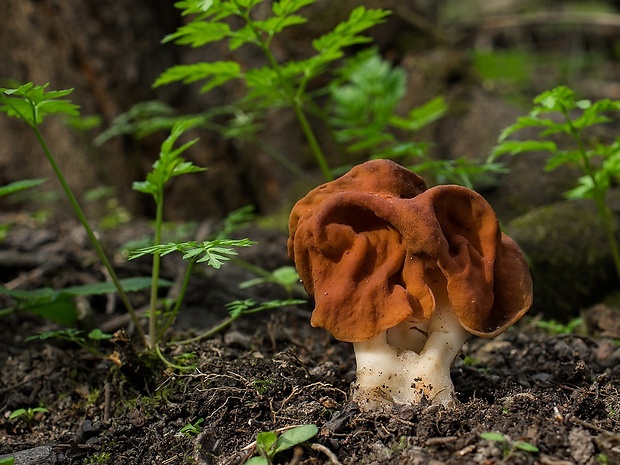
(372, 245)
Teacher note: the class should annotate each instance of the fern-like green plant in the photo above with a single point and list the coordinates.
(275, 84)
(363, 114)
(558, 113)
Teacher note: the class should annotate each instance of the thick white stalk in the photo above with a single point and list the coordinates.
(400, 369)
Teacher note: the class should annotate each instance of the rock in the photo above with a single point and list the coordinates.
(42, 455)
(582, 447)
(569, 256)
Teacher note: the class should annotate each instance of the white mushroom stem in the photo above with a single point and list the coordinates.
(410, 362)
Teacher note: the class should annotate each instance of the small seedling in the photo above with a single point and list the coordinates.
(270, 443)
(27, 414)
(507, 446)
(192, 429)
(7, 461)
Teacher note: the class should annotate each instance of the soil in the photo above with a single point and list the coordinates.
(555, 399)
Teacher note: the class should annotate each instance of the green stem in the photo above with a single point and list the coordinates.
(611, 236)
(248, 266)
(179, 300)
(296, 101)
(599, 194)
(155, 276)
(89, 232)
(168, 362)
(314, 145)
(211, 332)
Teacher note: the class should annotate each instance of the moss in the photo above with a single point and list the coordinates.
(569, 257)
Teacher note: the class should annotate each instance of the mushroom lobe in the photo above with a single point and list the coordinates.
(367, 246)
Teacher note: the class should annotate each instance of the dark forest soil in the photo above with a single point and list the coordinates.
(559, 393)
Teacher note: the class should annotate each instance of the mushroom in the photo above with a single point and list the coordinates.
(406, 274)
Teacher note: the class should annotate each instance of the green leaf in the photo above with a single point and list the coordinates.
(585, 189)
(7, 461)
(61, 310)
(273, 304)
(20, 185)
(294, 436)
(347, 33)
(564, 157)
(215, 73)
(140, 116)
(17, 413)
(98, 335)
(206, 8)
(235, 220)
(276, 24)
(265, 442)
(32, 103)
(264, 90)
(214, 252)
(525, 446)
(199, 33)
(515, 147)
(423, 115)
(287, 7)
(44, 302)
(286, 275)
(248, 4)
(559, 99)
(67, 334)
(237, 308)
(257, 461)
(242, 36)
(58, 306)
(531, 121)
(493, 436)
(170, 164)
(107, 287)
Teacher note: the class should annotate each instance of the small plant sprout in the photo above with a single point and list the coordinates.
(7, 460)
(169, 165)
(508, 446)
(269, 443)
(192, 429)
(599, 163)
(406, 274)
(28, 415)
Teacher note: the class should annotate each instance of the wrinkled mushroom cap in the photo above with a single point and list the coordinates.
(374, 246)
